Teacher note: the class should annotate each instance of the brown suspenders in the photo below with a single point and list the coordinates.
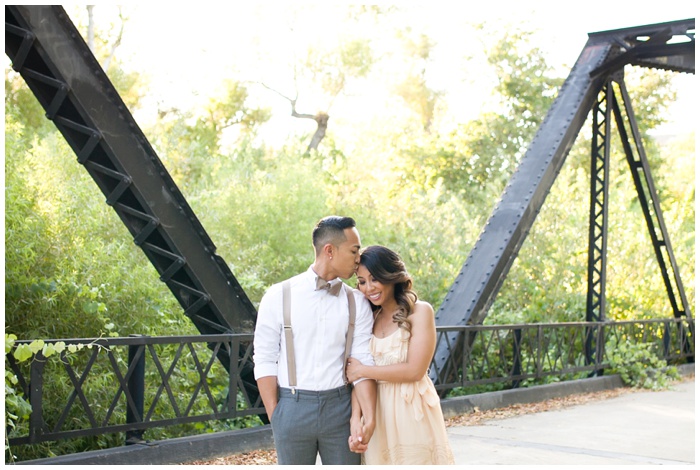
(289, 337)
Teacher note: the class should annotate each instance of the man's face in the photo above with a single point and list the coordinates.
(346, 256)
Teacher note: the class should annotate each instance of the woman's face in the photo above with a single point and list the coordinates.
(375, 291)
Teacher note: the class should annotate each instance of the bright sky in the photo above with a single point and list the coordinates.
(189, 51)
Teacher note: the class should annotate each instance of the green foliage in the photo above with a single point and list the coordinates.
(71, 269)
(524, 82)
(190, 146)
(19, 99)
(639, 366)
(17, 409)
(476, 159)
(333, 69)
(414, 89)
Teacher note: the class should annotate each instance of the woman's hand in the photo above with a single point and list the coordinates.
(357, 442)
(354, 369)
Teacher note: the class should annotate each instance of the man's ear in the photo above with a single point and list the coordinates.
(328, 249)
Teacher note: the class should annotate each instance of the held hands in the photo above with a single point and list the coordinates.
(360, 435)
(362, 421)
(356, 445)
(353, 369)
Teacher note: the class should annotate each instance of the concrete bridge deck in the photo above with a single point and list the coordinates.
(641, 428)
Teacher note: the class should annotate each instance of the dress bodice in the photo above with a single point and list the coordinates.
(392, 349)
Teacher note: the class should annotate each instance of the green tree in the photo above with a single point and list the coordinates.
(325, 70)
(414, 89)
(191, 146)
(476, 159)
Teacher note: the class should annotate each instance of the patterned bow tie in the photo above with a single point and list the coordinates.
(333, 287)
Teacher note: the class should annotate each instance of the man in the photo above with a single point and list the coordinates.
(314, 417)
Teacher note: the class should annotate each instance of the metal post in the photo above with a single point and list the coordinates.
(517, 360)
(598, 219)
(36, 390)
(136, 389)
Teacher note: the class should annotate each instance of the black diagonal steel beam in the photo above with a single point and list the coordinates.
(650, 203)
(477, 283)
(59, 68)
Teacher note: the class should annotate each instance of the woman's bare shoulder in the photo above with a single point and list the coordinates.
(422, 312)
(423, 307)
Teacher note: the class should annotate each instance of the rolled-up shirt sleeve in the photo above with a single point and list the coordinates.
(268, 331)
(363, 331)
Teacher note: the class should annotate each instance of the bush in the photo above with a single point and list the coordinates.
(640, 367)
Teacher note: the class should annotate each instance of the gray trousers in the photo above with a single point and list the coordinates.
(306, 424)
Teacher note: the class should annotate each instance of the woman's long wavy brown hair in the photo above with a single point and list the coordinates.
(387, 267)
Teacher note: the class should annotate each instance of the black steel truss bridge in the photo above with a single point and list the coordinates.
(50, 54)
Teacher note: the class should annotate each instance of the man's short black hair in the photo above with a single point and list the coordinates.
(331, 229)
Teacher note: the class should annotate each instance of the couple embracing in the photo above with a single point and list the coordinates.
(342, 372)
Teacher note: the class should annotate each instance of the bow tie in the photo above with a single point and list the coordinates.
(333, 287)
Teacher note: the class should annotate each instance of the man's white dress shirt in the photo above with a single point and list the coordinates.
(319, 325)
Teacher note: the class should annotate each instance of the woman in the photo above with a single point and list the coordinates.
(409, 425)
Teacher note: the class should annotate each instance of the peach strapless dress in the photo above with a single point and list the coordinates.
(410, 428)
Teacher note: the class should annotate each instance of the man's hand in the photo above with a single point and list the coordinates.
(268, 392)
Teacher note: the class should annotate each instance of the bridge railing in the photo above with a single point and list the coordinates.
(133, 384)
(505, 356)
(130, 385)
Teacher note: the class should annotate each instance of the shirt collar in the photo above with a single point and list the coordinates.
(311, 276)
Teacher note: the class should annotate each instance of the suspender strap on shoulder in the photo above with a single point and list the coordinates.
(288, 335)
(351, 329)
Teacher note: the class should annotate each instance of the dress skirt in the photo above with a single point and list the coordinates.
(410, 427)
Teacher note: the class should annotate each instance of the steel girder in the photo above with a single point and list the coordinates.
(59, 68)
(669, 46)
(598, 221)
(598, 215)
(607, 107)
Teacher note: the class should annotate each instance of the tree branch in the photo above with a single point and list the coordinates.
(321, 119)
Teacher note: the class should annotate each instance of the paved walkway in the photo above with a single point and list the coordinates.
(644, 428)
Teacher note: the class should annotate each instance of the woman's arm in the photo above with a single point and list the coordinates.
(421, 348)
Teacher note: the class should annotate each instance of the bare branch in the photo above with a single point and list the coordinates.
(278, 92)
(91, 29)
(117, 41)
(321, 119)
